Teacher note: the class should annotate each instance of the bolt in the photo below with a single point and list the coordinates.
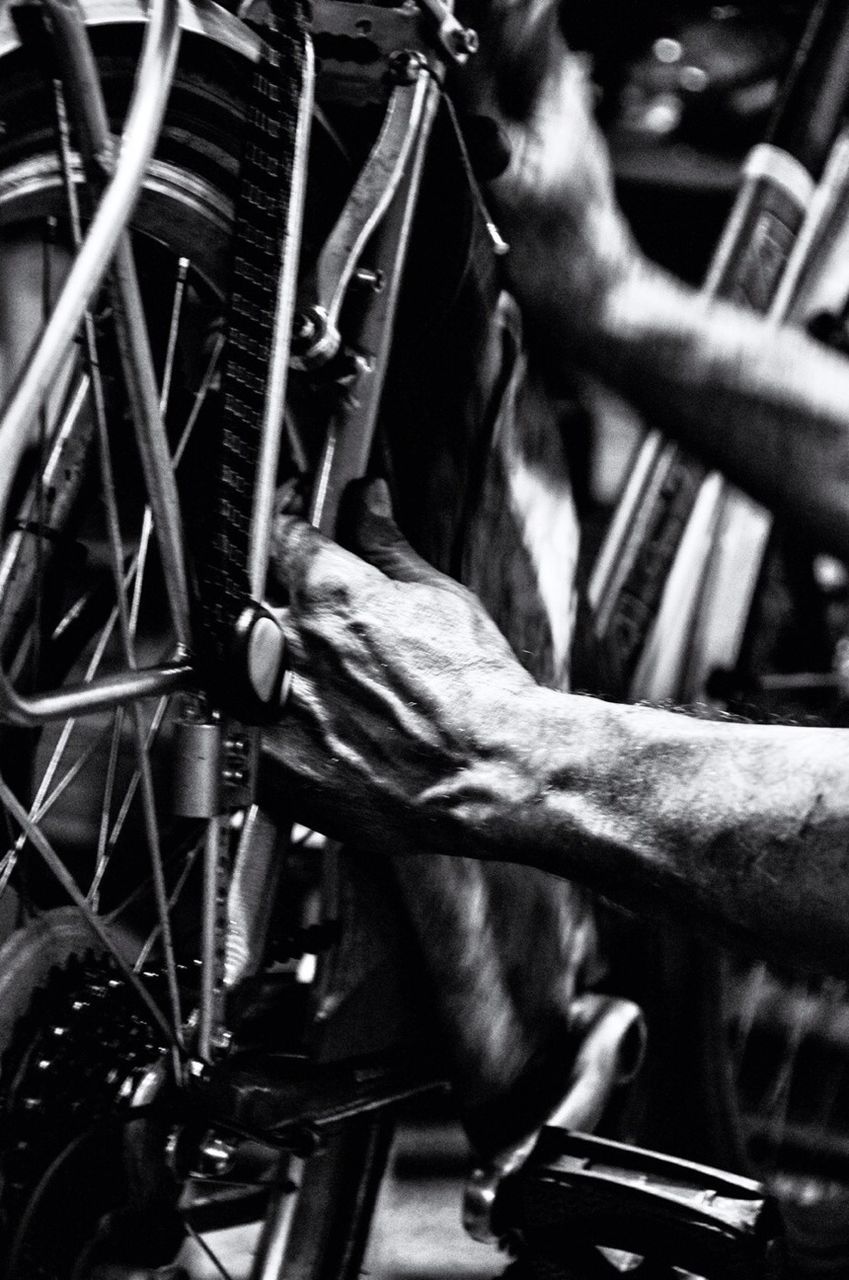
(371, 279)
(464, 42)
(222, 1039)
(406, 65)
(216, 1157)
(266, 651)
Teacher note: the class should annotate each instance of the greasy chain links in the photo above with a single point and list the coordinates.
(259, 245)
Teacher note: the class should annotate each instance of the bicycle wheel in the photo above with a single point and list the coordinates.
(77, 1038)
(779, 1098)
(764, 1053)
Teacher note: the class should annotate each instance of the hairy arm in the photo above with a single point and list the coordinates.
(769, 407)
(739, 829)
(412, 728)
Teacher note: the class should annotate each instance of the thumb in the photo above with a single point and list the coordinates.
(367, 526)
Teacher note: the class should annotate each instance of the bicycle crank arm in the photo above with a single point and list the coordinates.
(577, 1191)
(288, 1101)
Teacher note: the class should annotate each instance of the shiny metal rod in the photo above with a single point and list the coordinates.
(138, 141)
(141, 131)
(88, 110)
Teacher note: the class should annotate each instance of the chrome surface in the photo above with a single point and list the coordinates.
(195, 17)
(253, 880)
(88, 110)
(33, 187)
(156, 69)
(367, 204)
(350, 435)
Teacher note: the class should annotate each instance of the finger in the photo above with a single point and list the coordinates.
(310, 567)
(292, 496)
(368, 527)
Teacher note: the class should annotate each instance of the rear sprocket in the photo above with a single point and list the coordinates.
(71, 1064)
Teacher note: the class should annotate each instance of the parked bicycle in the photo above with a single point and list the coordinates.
(215, 314)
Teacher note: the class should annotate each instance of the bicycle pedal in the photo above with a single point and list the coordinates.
(576, 1189)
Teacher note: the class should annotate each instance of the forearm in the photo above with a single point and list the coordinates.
(738, 826)
(768, 407)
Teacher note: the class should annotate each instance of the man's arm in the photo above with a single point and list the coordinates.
(768, 407)
(412, 728)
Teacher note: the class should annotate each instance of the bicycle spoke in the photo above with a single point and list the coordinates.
(191, 859)
(132, 786)
(746, 1008)
(829, 1086)
(202, 1244)
(202, 392)
(109, 497)
(106, 808)
(42, 845)
(45, 798)
(183, 265)
(39, 811)
(164, 396)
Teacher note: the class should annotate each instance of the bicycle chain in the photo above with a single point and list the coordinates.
(259, 243)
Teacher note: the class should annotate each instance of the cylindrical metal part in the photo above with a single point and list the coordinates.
(251, 895)
(197, 768)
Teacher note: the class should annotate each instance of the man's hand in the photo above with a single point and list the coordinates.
(401, 682)
(555, 201)
(412, 728)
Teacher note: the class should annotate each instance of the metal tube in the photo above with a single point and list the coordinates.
(144, 121)
(82, 699)
(143, 124)
(81, 77)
